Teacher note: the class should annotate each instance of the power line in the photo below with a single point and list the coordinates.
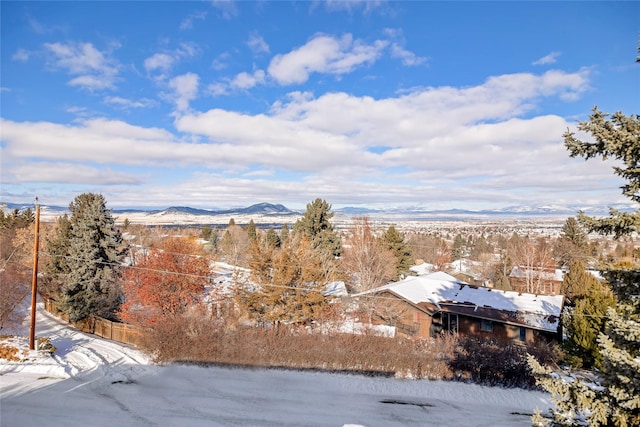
(271, 285)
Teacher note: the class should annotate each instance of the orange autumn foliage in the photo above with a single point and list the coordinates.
(166, 281)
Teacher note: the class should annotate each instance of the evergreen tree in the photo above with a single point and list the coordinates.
(56, 268)
(95, 251)
(393, 240)
(571, 245)
(291, 290)
(251, 231)
(458, 249)
(315, 225)
(206, 232)
(572, 231)
(615, 401)
(502, 269)
(577, 282)
(272, 238)
(585, 310)
(284, 233)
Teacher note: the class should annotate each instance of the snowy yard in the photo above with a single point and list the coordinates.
(93, 382)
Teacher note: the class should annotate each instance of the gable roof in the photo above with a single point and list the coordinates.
(450, 294)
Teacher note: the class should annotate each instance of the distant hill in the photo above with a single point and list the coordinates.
(257, 209)
(261, 208)
(408, 213)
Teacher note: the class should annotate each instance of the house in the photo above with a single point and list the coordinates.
(536, 280)
(424, 306)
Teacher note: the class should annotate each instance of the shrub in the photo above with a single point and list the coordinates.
(496, 362)
(199, 339)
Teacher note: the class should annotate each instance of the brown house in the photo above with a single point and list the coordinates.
(425, 306)
(536, 280)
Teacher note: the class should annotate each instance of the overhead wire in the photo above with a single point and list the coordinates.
(270, 285)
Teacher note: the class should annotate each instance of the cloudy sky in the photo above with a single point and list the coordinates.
(364, 103)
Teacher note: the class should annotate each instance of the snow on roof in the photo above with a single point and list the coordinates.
(535, 311)
(423, 268)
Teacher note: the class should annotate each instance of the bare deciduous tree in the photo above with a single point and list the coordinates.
(367, 263)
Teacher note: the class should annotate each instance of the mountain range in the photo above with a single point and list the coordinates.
(279, 210)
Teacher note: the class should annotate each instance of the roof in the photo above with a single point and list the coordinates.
(450, 294)
(555, 275)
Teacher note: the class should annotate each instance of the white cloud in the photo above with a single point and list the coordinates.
(547, 59)
(351, 5)
(408, 58)
(257, 44)
(398, 50)
(479, 143)
(68, 173)
(162, 62)
(188, 50)
(324, 54)
(220, 62)
(93, 69)
(218, 89)
(159, 61)
(247, 81)
(227, 8)
(187, 23)
(21, 55)
(127, 104)
(185, 89)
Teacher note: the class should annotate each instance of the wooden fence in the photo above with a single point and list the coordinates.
(121, 332)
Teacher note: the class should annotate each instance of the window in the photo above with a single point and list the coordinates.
(486, 325)
(523, 334)
(450, 322)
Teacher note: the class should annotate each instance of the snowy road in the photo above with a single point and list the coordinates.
(93, 382)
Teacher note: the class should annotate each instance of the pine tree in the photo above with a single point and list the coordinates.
(315, 225)
(393, 240)
(572, 244)
(572, 231)
(272, 238)
(616, 400)
(251, 231)
(291, 290)
(458, 248)
(585, 311)
(57, 268)
(95, 251)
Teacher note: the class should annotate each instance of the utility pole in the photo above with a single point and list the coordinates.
(34, 281)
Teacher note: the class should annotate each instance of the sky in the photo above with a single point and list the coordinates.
(91, 381)
(379, 104)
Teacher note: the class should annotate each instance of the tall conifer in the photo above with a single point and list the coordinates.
(615, 399)
(95, 251)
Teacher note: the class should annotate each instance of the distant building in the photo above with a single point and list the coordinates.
(546, 281)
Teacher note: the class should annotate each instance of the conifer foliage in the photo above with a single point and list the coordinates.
(315, 225)
(291, 281)
(393, 240)
(615, 401)
(94, 251)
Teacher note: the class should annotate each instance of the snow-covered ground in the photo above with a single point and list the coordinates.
(93, 382)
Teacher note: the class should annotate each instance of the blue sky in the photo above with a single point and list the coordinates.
(363, 103)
